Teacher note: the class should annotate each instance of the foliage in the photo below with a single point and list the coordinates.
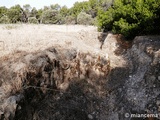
(70, 20)
(3, 11)
(50, 17)
(4, 19)
(84, 19)
(15, 14)
(64, 11)
(78, 7)
(93, 7)
(129, 18)
(55, 7)
(54, 14)
(34, 12)
(27, 9)
(33, 20)
(9, 27)
(39, 15)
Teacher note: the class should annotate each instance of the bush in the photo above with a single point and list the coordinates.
(50, 17)
(33, 20)
(4, 19)
(70, 20)
(84, 19)
(130, 18)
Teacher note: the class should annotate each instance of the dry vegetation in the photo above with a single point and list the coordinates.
(39, 37)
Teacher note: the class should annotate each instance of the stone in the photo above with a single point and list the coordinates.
(90, 116)
(158, 102)
(158, 108)
(152, 78)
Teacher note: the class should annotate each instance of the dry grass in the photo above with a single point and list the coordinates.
(32, 38)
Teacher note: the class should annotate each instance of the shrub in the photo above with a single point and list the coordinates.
(10, 26)
(130, 18)
(70, 20)
(4, 19)
(50, 17)
(84, 19)
(33, 20)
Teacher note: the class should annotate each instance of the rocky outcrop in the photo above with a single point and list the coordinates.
(136, 86)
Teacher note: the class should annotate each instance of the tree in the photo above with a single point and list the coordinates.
(64, 11)
(3, 11)
(3, 15)
(79, 7)
(39, 15)
(93, 7)
(15, 14)
(129, 18)
(27, 8)
(105, 4)
(4, 19)
(50, 16)
(56, 7)
(34, 12)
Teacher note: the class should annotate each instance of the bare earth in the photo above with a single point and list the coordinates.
(32, 38)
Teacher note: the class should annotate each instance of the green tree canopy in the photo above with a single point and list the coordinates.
(3, 11)
(50, 16)
(15, 14)
(129, 17)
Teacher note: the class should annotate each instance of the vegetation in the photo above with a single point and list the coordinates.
(131, 17)
(127, 17)
(84, 19)
(33, 20)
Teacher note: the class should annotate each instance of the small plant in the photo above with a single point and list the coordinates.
(9, 27)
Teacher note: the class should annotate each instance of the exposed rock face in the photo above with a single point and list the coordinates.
(66, 84)
(136, 87)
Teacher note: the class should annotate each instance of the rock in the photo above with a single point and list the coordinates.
(158, 77)
(0, 83)
(158, 108)
(1, 113)
(64, 86)
(90, 116)
(152, 78)
(158, 102)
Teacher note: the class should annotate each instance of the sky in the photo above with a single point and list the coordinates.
(38, 3)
